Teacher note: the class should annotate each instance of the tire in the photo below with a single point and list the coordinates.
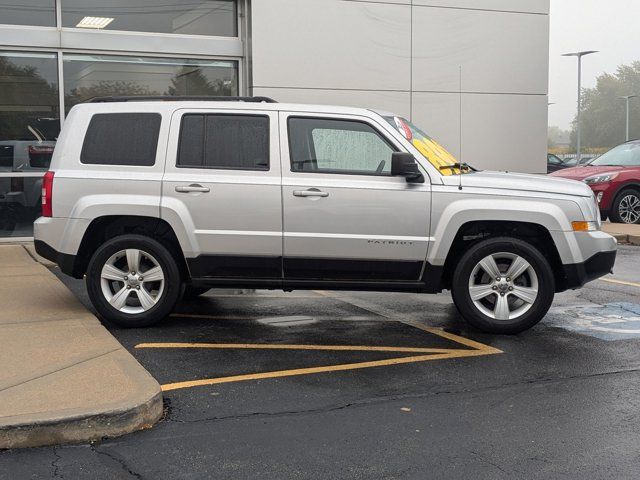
(487, 313)
(191, 292)
(130, 307)
(626, 207)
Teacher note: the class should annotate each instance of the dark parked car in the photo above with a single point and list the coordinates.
(554, 163)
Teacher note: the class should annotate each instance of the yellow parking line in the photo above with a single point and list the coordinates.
(619, 282)
(456, 338)
(258, 346)
(313, 370)
(476, 349)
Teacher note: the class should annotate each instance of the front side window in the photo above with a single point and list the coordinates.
(320, 145)
(187, 17)
(222, 141)
(121, 139)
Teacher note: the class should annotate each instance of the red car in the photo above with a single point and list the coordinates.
(615, 180)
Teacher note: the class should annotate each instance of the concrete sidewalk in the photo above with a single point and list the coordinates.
(627, 234)
(64, 378)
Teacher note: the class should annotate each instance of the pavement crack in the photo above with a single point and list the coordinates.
(54, 464)
(328, 409)
(484, 459)
(393, 398)
(120, 461)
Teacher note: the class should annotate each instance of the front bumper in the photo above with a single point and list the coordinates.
(577, 275)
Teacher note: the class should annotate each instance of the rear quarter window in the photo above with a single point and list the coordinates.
(121, 139)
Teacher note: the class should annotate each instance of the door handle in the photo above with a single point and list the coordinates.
(312, 192)
(193, 188)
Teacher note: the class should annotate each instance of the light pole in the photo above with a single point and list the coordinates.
(578, 126)
(627, 98)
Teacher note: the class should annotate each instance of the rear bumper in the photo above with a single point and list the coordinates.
(65, 261)
(577, 275)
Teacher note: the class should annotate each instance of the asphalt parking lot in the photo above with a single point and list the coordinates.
(367, 385)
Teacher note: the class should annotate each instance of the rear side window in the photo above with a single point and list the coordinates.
(228, 142)
(122, 139)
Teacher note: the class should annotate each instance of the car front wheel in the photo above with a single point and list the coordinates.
(626, 207)
(503, 285)
(133, 281)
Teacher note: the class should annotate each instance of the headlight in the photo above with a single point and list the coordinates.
(602, 178)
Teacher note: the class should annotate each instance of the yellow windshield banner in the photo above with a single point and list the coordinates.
(437, 155)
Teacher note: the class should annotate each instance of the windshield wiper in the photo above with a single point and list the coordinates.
(458, 166)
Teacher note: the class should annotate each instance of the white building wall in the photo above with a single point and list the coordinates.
(406, 57)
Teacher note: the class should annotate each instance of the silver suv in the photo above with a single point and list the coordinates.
(151, 199)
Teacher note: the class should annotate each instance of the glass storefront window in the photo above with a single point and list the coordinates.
(29, 127)
(40, 13)
(187, 17)
(87, 76)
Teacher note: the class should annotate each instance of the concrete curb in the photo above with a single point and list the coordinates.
(86, 428)
(621, 238)
(65, 378)
(624, 239)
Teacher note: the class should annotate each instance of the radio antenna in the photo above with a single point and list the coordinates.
(460, 132)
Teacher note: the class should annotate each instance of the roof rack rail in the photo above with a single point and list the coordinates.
(169, 98)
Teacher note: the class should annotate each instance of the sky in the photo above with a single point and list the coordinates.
(610, 26)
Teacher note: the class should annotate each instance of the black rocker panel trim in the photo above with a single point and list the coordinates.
(350, 269)
(235, 266)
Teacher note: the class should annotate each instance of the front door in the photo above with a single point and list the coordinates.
(345, 217)
(222, 179)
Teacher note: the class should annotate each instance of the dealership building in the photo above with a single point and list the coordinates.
(471, 73)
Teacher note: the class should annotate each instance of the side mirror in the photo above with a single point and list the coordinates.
(404, 165)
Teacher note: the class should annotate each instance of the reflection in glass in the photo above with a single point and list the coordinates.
(29, 127)
(40, 13)
(87, 76)
(187, 17)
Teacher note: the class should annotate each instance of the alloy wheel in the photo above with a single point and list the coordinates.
(132, 281)
(503, 286)
(629, 208)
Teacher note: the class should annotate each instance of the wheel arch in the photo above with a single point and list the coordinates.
(110, 226)
(631, 186)
(476, 231)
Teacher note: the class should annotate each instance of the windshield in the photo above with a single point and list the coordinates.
(431, 150)
(627, 155)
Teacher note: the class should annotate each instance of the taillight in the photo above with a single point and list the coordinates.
(47, 194)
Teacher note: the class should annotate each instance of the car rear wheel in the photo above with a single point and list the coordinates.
(626, 207)
(133, 281)
(503, 285)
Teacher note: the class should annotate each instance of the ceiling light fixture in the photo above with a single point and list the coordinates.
(94, 22)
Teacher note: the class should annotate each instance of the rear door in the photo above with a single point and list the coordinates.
(222, 181)
(345, 217)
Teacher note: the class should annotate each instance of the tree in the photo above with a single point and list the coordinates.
(105, 88)
(604, 113)
(23, 86)
(192, 81)
(556, 136)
